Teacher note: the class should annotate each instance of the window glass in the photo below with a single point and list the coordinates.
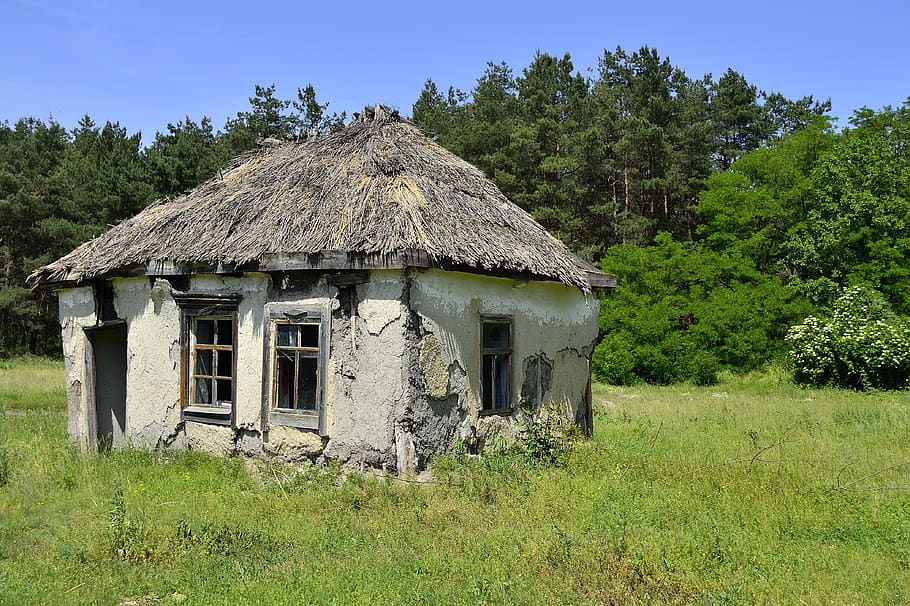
(225, 332)
(223, 387)
(487, 382)
(203, 394)
(205, 332)
(306, 383)
(296, 367)
(496, 364)
(501, 381)
(204, 361)
(309, 335)
(496, 335)
(287, 335)
(212, 361)
(207, 342)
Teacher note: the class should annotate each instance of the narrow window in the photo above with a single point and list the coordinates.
(297, 355)
(297, 367)
(212, 361)
(208, 335)
(496, 363)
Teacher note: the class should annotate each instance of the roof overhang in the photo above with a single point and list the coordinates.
(334, 261)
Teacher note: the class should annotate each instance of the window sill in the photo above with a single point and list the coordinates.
(501, 412)
(215, 415)
(302, 420)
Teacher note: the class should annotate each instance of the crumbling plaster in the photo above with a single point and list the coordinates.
(368, 393)
(153, 359)
(548, 318)
(77, 311)
(402, 377)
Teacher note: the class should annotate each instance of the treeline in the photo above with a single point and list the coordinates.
(728, 213)
(614, 158)
(60, 187)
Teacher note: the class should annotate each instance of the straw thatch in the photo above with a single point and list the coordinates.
(375, 193)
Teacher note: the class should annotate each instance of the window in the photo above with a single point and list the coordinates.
(208, 383)
(297, 358)
(212, 361)
(496, 363)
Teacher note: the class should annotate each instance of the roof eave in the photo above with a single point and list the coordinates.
(324, 261)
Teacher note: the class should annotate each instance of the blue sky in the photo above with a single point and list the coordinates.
(146, 64)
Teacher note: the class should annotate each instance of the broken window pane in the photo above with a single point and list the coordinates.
(309, 335)
(212, 361)
(205, 332)
(285, 388)
(225, 363)
(203, 394)
(225, 332)
(306, 383)
(296, 366)
(204, 361)
(287, 335)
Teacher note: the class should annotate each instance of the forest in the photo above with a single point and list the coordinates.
(745, 228)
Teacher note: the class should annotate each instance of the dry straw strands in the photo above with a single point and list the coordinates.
(375, 189)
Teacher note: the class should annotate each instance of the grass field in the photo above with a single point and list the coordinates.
(752, 491)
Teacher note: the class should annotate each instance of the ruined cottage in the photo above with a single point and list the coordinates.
(363, 295)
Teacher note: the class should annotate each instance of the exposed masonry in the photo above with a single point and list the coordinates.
(401, 366)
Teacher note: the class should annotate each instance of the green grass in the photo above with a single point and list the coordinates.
(31, 384)
(752, 491)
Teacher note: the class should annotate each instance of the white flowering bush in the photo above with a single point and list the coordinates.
(862, 345)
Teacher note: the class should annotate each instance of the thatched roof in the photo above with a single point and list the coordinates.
(376, 193)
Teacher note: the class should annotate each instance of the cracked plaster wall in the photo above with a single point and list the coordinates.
(153, 360)
(77, 311)
(548, 318)
(367, 392)
(403, 363)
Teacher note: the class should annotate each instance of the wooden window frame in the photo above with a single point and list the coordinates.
(294, 315)
(508, 408)
(206, 307)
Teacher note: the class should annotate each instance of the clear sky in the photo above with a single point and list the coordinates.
(145, 64)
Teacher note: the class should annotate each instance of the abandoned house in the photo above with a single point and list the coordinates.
(362, 295)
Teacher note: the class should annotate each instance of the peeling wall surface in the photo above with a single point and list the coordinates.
(368, 342)
(553, 326)
(400, 364)
(77, 311)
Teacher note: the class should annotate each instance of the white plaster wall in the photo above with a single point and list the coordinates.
(367, 389)
(152, 359)
(547, 317)
(292, 443)
(77, 310)
(248, 353)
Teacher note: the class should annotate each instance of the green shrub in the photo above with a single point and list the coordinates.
(548, 435)
(862, 345)
(674, 359)
(683, 312)
(702, 368)
(613, 362)
(128, 538)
